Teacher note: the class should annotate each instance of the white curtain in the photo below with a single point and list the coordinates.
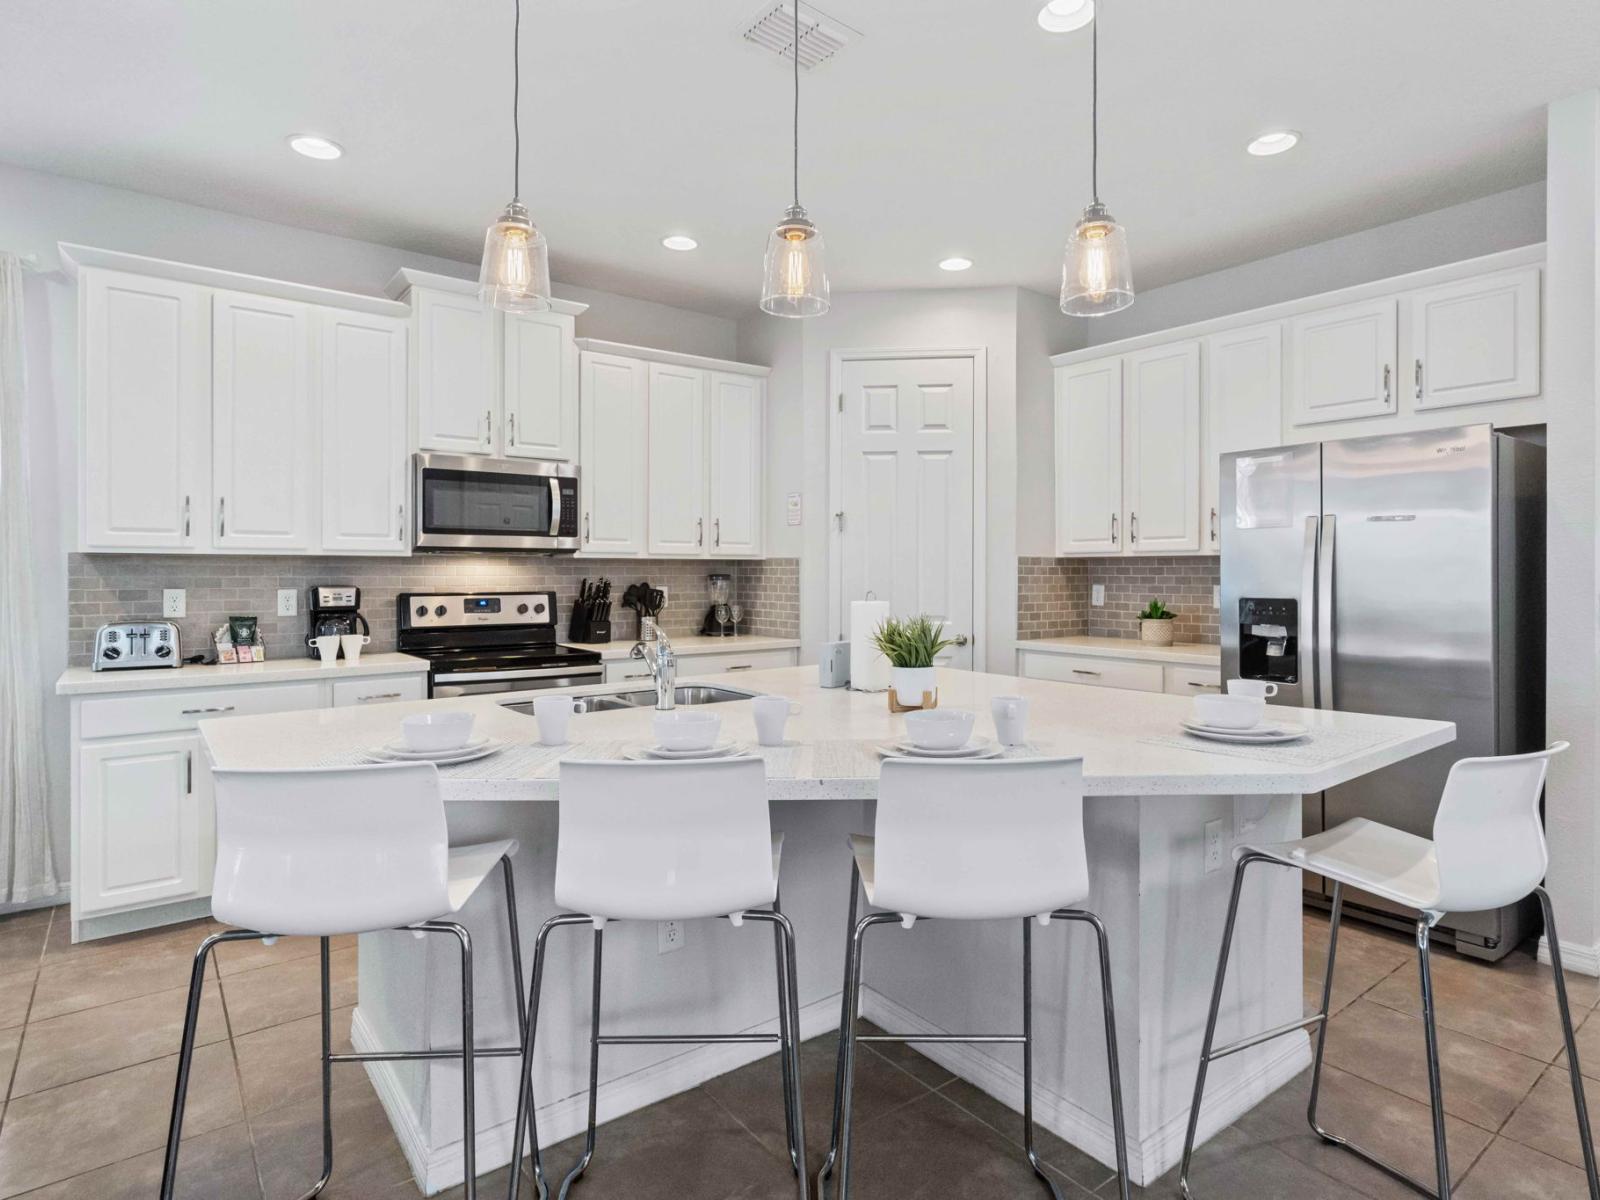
(27, 863)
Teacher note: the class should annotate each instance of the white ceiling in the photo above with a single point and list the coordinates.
(949, 127)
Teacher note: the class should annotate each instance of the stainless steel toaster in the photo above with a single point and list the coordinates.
(133, 644)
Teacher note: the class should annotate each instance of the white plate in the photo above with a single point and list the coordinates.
(1273, 729)
(723, 749)
(463, 754)
(977, 748)
(399, 750)
(1243, 738)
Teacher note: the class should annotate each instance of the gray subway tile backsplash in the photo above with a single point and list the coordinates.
(1053, 595)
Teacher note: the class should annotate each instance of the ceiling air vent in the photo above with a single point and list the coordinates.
(821, 37)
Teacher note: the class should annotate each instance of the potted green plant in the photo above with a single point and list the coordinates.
(911, 645)
(1156, 624)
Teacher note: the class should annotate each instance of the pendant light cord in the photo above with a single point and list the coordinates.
(1094, 108)
(516, 105)
(796, 50)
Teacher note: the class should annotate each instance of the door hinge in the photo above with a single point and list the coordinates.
(838, 520)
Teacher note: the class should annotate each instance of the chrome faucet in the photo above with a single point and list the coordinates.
(663, 664)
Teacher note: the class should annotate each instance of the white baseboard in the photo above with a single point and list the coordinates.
(1576, 958)
(1149, 1157)
(439, 1167)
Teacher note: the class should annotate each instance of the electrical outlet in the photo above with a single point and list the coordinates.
(286, 602)
(1216, 596)
(174, 602)
(669, 936)
(1214, 845)
(1097, 595)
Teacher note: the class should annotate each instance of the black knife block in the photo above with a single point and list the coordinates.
(589, 630)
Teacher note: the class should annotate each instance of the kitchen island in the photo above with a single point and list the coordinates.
(1158, 880)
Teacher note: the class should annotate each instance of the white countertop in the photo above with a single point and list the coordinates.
(1184, 654)
(830, 756)
(81, 681)
(743, 644)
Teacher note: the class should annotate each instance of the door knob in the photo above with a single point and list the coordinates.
(961, 639)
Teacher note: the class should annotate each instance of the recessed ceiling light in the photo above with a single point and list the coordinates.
(955, 264)
(1063, 16)
(313, 146)
(679, 241)
(1273, 143)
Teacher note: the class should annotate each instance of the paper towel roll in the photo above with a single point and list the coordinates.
(869, 669)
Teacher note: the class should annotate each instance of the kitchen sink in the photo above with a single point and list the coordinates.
(688, 694)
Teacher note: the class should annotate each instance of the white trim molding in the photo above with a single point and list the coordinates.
(1576, 959)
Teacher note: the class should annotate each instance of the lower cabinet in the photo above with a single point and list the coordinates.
(1128, 674)
(632, 670)
(382, 689)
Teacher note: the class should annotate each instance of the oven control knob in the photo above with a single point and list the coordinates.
(522, 609)
(439, 611)
(422, 610)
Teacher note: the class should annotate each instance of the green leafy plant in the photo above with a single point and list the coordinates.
(912, 642)
(1156, 611)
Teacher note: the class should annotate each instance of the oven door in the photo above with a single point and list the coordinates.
(522, 679)
(467, 503)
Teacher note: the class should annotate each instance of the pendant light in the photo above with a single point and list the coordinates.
(795, 283)
(516, 260)
(1096, 275)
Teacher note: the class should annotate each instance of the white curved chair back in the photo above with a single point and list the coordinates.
(979, 840)
(664, 840)
(1487, 835)
(330, 850)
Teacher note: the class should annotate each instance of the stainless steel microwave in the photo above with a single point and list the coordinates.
(465, 502)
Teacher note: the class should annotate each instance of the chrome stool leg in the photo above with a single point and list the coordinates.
(1027, 1058)
(594, 1069)
(1113, 1065)
(844, 1020)
(520, 987)
(1585, 1137)
(848, 1038)
(1441, 1159)
(1322, 1030)
(784, 987)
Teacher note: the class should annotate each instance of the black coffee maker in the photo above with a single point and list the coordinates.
(333, 610)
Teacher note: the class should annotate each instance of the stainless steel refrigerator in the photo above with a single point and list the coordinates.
(1401, 575)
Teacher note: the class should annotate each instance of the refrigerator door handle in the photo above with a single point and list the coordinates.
(1325, 613)
(1308, 607)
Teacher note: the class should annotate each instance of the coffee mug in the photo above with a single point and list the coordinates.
(1230, 712)
(772, 713)
(327, 648)
(352, 643)
(1010, 715)
(554, 714)
(1252, 687)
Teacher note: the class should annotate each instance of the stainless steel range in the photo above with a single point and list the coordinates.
(479, 642)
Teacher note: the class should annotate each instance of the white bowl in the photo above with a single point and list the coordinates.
(690, 730)
(436, 730)
(940, 728)
(1230, 712)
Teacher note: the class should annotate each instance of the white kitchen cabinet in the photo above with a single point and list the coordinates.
(694, 665)
(379, 689)
(539, 386)
(736, 410)
(1191, 681)
(614, 393)
(1475, 341)
(1088, 413)
(677, 456)
(145, 363)
(1243, 404)
(456, 393)
(1345, 362)
(362, 400)
(1161, 449)
(1093, 672)
(264, 437)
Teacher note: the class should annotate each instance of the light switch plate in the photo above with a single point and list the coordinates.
(792, 510)
(174, 602)
(1097, 595)
(287, 598)
(1216, 596)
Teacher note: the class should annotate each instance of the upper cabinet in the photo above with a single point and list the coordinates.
(362, 372)
(677, 459)
(539, 385)
(611, 480)
(455, 392)
(1089, 458)
(1243, 407)
(1161, 454)
(736, 407)
(1475, 341)
(1345, 362)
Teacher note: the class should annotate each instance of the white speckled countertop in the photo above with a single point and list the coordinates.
(81, 681)
(1184, 654)
(743, 644)
(831, 756)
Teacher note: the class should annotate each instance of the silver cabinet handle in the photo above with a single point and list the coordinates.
(488, 427)
(400, 522)
(511, 437)
(586, 537)
(1195, 683)
(186, 516)
(716, 539)
(1388, 395)
(188, 774)
(1213, 524)
(222, 516)
(1113, 529)
(378, 696)
(638, 675)
(190, 712)
(742, 667)
(1419, 379)
(1133, 527)
(1081, 671)
(700, 531)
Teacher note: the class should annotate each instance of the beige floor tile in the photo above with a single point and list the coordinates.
(89, 982)
(22, 945)
(1509, 1171)
(1547, 1120)
(233, 957)
(1588, 1038)
(93, 1041)
(16, 993)
(65, 1131)
(60, 947)
(281, 1064)
(367, 1159)
(287, 991)
(1366, 957)
(1477, 999)
(213, 1166)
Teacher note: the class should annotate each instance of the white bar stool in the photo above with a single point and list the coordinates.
(973, 841)
(664, 841)
(314, 853)
(1488, 850)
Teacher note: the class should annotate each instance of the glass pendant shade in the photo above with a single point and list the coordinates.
(1096, 274)
(516, 264)
(795, 282)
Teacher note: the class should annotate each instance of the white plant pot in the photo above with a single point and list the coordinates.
(910, 683)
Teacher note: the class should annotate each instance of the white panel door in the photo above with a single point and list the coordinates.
(1243, 405)
(455, 388)
(264, 437)
(146, 827)
(677, 471)
(1089, 458)
(738, 463)
(1476, 341)
(908, 490)
(145, 348)
(539, 383)
(611, 475)
(1162, 455)
(362, 397)
(1344, 363)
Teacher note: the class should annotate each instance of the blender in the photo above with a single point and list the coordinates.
(719, 590)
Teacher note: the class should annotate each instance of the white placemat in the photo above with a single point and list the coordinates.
(1316, 749)
(534, 760)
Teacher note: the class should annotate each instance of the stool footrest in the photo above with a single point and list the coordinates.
(942, 1037)
(682, 1039)
(1246, 1043)
(361, 1056)
(1389, 1169)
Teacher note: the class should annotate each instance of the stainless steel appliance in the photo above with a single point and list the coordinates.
(469, 503)
(333, 609)
(478, 642)
(1401, 575)
(131, 645)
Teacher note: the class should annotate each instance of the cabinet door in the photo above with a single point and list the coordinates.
(455, 388)
(1476, 341)
(264, 441)
(1161, 437)
(677, 490)
(738, 457)
(1344, 363)
(146, 827)
(1089, 458)
(611, 476)
(145, 348)
(539, 384)
(362, 396)
(1243, 405)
